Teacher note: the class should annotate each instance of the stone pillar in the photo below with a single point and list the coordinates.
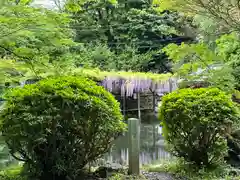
(134, 145)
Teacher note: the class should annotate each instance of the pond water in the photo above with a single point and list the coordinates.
(151, 146)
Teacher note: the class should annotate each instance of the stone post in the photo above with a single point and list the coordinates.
(134, 145)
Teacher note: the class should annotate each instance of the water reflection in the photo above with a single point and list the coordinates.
(151, 146)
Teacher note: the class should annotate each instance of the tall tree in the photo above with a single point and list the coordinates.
(122, 24)
(214, 20)
(225, 12)
(34, 38)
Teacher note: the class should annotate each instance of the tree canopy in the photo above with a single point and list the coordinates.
(215, 52)
(119, 35)
(126, 27)
(226, 12)
(33, 39)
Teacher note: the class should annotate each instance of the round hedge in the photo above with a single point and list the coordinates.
(58, 125)
(195, 122)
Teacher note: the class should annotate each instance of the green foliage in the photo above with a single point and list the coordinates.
(36, 39)
(188, 58)
(36, 43)
(207, 29)
(119, 176)
(233, 141)
(145, 28)
(197, 62)
(12, 173)
(60, 124)
(225, 13)
(125, 27)
(212, 19)
(5, 157)
(15, 177)
(97, 75)
(195, 122)
(182, 170)
(120, 23)
(100, 56)
(228, 47)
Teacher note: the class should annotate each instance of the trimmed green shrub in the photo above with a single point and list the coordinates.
(57, 126)
(195, 122)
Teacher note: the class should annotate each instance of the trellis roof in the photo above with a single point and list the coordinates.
(131, 82)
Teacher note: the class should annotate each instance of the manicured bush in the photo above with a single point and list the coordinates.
(58, 125)
(195, 122)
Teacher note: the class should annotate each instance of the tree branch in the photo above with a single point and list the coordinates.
(21, 57)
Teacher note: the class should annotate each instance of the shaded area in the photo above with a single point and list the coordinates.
(151, 147)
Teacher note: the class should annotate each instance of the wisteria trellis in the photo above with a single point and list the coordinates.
(128, 83)
(132, 85)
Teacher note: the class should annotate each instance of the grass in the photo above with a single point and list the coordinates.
(180, 170)
(119, 176)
